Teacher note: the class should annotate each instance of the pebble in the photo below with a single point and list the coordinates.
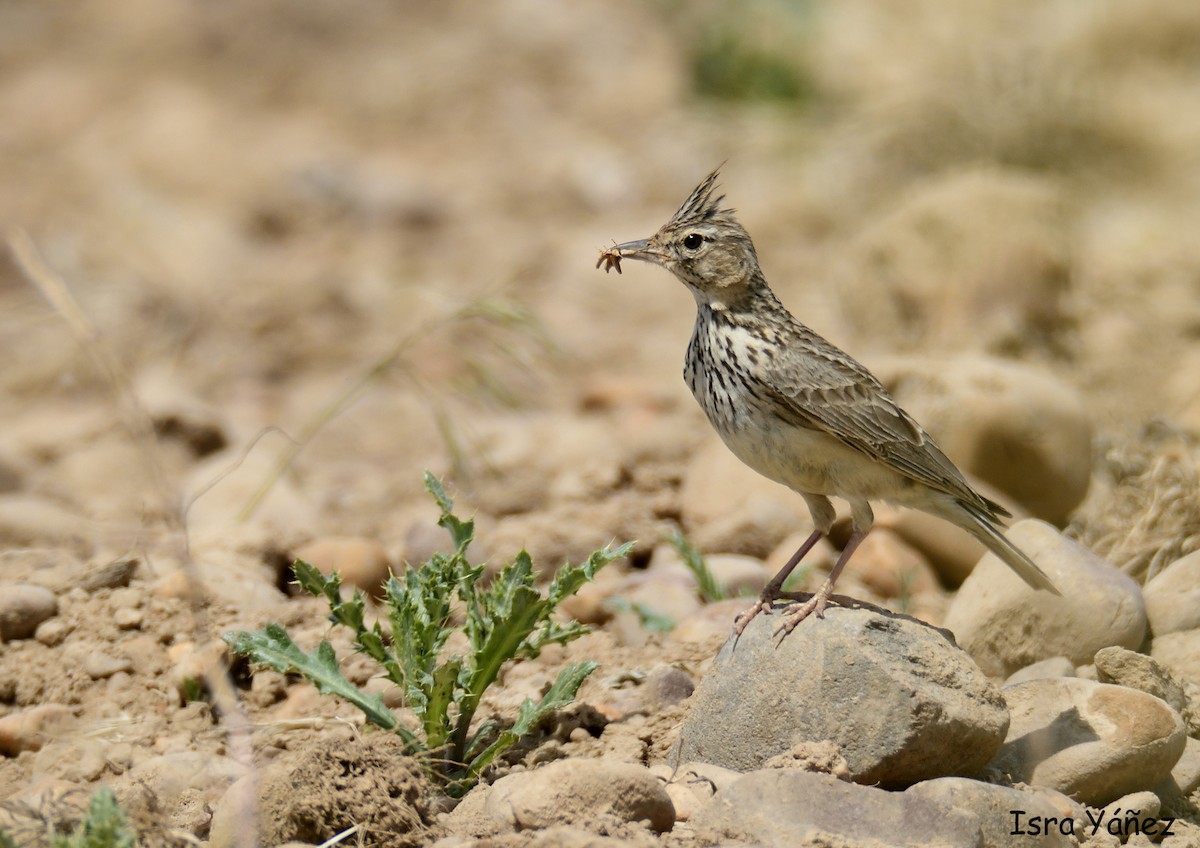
(1173, 597)
(362, 563)
(1179, 653)
(738, 575)
(1015, 427)
(782, 808)
(128, 619)
(1005, 625)
(23, 608)
(994, 807)
(1048, 668)
(897, 697)
(1092, 741)
(1142, 806)
(100, 664)
(578, 791)
(691, 786)
(667, 685)
(27, 730)
(108, 575)
(52, 632)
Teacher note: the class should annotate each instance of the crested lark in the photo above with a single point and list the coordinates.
(797, 409)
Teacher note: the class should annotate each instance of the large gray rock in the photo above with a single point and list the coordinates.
(788, 808)
(897, 697)
(1007, 816)
(1004, 625)
(1092, 741)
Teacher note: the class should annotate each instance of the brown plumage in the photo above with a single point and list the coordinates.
(797, 409)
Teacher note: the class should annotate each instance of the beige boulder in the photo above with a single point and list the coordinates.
(1014, 427)
(1005, 625)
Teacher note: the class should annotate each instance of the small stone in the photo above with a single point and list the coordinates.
(128, 619)
(738, 575)
(576, 791)
(360, 562)
(1139, 806)
(782, 808)
(1048, 668)
(1173, 597)
(667, 685)
(52, 632)
(108, 575)
(1138, 671)
(1004, 812)
(1005, 625)
(1092, 741)
(897, 697)
(23, 608)
(99, 664)
(26, 730)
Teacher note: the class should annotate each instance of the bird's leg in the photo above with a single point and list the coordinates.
(774, 589)
(816, 604)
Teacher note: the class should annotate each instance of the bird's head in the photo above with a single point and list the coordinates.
(703, 245)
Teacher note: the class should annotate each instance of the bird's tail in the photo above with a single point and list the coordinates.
(996, 542)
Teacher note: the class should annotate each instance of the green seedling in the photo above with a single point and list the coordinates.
(505, 621)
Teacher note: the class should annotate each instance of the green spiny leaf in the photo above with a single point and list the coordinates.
(570, 578)
(272, 646)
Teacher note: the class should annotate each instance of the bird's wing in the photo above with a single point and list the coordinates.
(824, 389)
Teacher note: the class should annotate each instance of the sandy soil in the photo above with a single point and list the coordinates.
(367, 230)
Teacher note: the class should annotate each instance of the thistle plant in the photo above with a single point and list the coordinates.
(505, 621)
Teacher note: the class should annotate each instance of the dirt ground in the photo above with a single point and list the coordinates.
(308, 250)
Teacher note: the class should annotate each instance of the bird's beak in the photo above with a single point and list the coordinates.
(640, 250)
(643, 250)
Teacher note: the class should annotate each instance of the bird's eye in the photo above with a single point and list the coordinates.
(693, 240)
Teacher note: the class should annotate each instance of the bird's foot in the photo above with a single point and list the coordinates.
(748, 615)
(813, 606)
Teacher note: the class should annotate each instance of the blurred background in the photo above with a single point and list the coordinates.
(374, 224)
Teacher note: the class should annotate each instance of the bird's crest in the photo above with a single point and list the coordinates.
(700, 204)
